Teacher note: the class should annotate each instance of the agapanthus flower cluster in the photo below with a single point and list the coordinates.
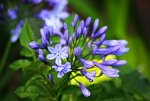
(80, 49)
(58, 9)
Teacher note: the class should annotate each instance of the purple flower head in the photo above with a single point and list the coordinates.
(110, 72)
(41, 55)
(89, 75)
(57, 53)
(16, 31)
(62, 69)
(84, 90)
(78, 51)
(34, 45)
(86, 63)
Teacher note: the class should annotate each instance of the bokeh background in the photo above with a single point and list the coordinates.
(126, 19)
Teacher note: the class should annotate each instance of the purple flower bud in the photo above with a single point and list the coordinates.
(113, 62)
(121, 51)
(110, 72)
(109, 62)
(92, 35)
(75, 21)
(34, 45)
(71, 38)
(45, 30)
(44, 38)
(89, 44)
(84, 32)
(78, 32)
(82, 24)
(100, 32)
(111, 43)
(41, 55)
(95, 25)
(88, 21)
(86, 63)
(120, 63)
(106, 51)
(12, 13)
(101, 40)
(78, 51)
(66, 34)
(65, 26)
(76, 17)
(84, 90)
(50, 76)
(95, 49)
(89, 75)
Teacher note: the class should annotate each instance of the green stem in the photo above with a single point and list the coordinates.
(5, 56)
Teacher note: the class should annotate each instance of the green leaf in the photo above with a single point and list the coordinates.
(20, 64)
(27, 36)
(33, 79)
(25, 52)
(24, 92)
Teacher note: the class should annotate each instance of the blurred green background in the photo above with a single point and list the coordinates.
(126, 19)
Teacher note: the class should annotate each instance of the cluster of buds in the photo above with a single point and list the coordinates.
(80, 47)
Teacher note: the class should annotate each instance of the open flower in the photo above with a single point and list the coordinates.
(62, 69)
(58, 53)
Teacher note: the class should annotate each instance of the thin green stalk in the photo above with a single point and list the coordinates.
(5, 56)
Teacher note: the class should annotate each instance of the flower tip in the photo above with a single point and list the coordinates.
(84, 90)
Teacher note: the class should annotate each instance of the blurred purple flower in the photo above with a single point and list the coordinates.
(55, 23)
(16, 32)
(35, 1)
(12, 13)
